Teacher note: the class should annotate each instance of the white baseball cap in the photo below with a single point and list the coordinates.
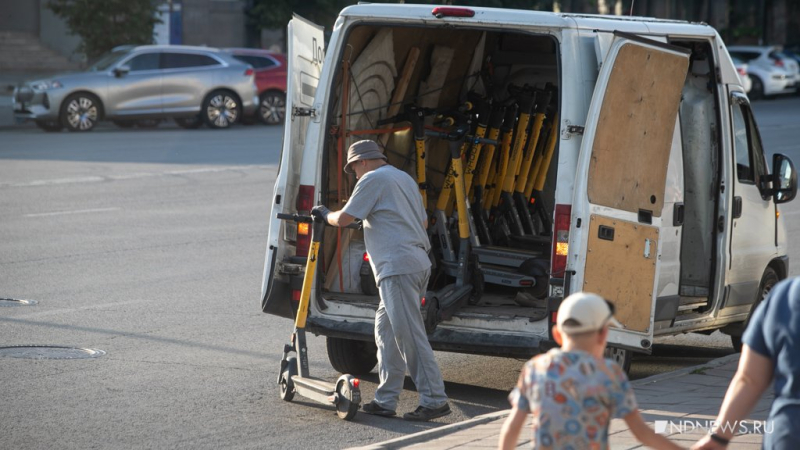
(583, 312)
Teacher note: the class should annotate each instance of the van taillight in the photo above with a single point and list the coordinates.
(741, 71)
(305, 201)
(561, 241)
(442, 11)
(249, 72)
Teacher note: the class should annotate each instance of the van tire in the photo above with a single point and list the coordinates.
(621, 356)
(352, 356)
(768, 281)
(757, 89)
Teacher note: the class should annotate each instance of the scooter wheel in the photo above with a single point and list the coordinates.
(345, 409)
(285, 381)
(430, 313)
(477, 288)
(539, 270)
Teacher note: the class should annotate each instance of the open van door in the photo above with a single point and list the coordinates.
(621, 180)
(305, 57)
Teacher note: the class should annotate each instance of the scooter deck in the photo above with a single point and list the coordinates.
(314, 389)
(505, 256)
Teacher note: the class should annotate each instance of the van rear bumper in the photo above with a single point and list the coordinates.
(490, 344)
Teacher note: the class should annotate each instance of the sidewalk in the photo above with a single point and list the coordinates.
(674, 403)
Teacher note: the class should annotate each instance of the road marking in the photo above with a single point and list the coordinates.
(131, 176)
(59, 311)
(74, 211)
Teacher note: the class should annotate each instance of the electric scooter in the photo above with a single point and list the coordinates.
(439, 305)
(294, 377)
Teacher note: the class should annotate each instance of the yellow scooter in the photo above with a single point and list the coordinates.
(294, 377)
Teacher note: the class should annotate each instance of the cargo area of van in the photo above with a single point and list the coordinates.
(451, 78)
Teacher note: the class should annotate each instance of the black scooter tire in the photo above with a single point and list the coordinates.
(345, 409)
(285, 382)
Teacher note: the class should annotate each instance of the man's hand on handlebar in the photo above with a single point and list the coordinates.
(321, 212)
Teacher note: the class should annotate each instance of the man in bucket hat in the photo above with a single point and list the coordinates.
(388, 201)
(573, 392)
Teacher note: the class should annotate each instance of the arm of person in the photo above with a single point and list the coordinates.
(340, 219)
(752, 378)
(644, 434)
(509, 434)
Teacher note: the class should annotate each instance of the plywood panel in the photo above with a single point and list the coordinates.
(621, 270)
(634, 130)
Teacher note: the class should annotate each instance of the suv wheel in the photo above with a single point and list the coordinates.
(221, 109)
(352, 356)
(80, 112)
(272, 107)
(757, 89)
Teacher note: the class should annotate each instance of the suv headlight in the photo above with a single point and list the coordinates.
(45, 85)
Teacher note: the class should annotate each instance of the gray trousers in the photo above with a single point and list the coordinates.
(402, 342)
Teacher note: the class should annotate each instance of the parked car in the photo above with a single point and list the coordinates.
(771, 71)
(144, 84)
(741, 69)
(270, 70)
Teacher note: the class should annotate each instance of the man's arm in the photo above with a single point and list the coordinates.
(340, 219)
(752, 378)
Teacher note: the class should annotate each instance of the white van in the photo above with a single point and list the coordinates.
(658, 195)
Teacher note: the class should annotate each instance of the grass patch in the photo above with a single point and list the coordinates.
(700, 371)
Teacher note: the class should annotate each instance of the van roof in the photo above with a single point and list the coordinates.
(524, 18)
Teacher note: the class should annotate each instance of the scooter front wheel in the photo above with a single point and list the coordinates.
(345, 409)
(285, 381)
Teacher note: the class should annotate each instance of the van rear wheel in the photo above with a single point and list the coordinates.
(768, 281)
(352, 356)
(621, 356)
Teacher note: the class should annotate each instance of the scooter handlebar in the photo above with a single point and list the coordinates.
(357, 225)
(295, 217)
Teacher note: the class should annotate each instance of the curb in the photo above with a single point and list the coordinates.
(429, 435)
(714, 363)
(435, 433)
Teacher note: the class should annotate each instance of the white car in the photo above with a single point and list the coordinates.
(772, 72)
(741, 69)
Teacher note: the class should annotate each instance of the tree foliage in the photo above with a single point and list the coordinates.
(105, 24)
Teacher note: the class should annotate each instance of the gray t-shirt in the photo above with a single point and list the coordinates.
(388, 201)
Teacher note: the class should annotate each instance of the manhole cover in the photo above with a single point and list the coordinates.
(49, 352)
(15, 302)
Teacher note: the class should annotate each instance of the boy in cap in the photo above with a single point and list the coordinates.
(390, 205)
(573, 392)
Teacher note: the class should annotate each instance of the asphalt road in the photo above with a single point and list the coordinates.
(149, 245)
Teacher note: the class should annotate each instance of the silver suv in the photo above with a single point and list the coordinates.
(193, 85)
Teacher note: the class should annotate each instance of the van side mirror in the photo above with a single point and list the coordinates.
(121, 71)
(784, 182)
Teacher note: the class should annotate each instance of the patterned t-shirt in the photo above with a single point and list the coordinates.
(572, 396)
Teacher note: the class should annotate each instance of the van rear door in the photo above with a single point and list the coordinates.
(305, 57)
(621, 180)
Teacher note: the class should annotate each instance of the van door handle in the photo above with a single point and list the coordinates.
(677, 215)
(605, 233)
(737, 207)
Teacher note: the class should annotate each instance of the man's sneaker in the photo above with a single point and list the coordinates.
(376, 409)
(423, 414)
